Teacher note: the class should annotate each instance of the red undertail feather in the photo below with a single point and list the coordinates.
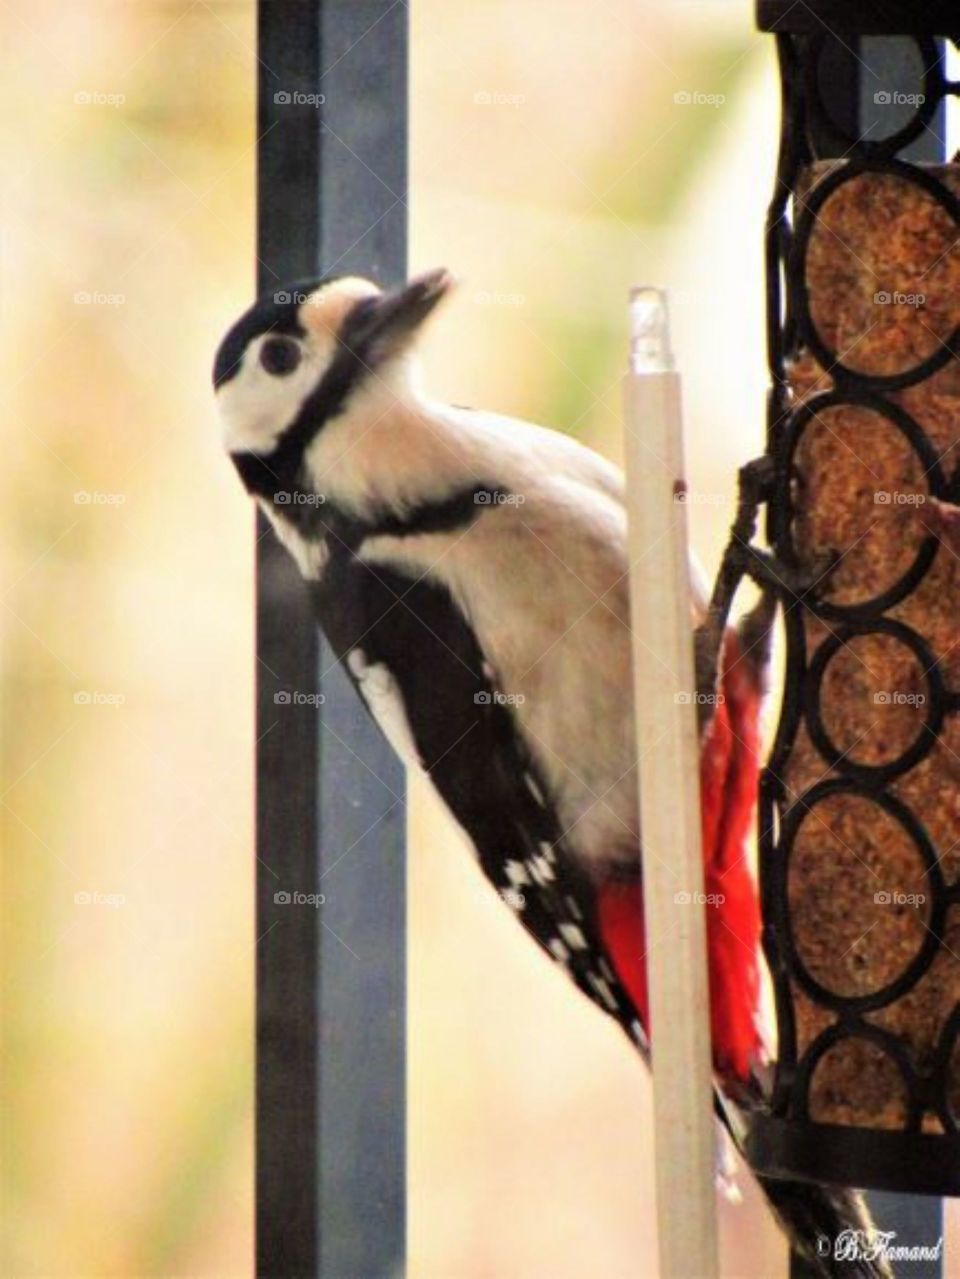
(729, 770)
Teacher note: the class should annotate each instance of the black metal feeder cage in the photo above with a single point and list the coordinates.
(860, 801)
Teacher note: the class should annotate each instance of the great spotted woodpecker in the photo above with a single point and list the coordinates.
(470, 571)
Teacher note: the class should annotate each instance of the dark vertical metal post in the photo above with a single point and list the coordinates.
(864, 67)
(331, 188)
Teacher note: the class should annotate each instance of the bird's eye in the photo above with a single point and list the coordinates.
(280, 356)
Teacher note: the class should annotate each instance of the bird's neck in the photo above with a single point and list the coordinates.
(388, 455)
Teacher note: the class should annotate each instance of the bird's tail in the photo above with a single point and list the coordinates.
(829, 1226)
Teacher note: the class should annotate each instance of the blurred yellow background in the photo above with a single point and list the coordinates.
(552, 165)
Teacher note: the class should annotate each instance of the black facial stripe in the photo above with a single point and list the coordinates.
(347, 370)
(270, 473)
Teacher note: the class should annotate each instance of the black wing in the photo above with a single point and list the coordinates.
(467, 739)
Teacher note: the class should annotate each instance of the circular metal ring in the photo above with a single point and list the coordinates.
(838, 1033)
(939, 1077)
(929, 946)
(832, 365)
(931, 77)
(783, 513)
(877, 774)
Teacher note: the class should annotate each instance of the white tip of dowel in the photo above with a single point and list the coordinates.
(649, 331)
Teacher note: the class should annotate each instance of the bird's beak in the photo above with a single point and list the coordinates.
(394, 318)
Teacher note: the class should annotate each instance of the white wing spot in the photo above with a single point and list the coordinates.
(382, 695)
(548, 851)
(603, 990)
(517, 873)
(534, 789)
(558, 950)
(573, 936)
(574, 907)
(541, 870)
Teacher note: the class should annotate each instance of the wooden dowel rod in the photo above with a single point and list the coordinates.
(667, 738)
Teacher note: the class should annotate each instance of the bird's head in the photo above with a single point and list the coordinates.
(303, 355)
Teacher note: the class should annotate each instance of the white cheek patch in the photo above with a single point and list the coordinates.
(256, 407)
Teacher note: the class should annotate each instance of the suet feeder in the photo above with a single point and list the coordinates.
(859, 805)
